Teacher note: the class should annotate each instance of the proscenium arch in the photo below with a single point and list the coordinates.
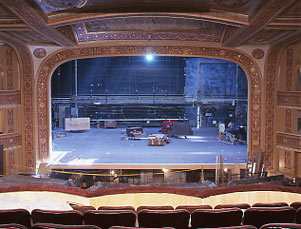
(52, 61)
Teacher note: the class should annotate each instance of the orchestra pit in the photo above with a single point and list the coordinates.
(150, 114)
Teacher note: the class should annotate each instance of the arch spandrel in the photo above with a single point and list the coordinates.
(59, 57)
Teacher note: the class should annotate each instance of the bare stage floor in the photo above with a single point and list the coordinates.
(104, 146)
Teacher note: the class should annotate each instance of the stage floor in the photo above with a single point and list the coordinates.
(104, 146)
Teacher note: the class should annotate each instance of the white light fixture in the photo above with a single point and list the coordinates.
(149, 57)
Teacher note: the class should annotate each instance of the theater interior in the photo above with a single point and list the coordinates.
(159, 103)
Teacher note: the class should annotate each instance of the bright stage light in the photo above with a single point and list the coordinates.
(149, 57)
(165, 170)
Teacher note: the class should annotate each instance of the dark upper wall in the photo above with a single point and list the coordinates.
(215, 78)
(121, 75)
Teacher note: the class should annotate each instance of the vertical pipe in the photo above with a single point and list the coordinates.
(198, 117)
(75, 86)
(216, 170)
(75, 76)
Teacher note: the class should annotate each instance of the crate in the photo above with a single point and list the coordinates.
(110, 124)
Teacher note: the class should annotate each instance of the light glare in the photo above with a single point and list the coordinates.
(149, 57)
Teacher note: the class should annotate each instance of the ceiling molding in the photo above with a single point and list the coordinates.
(264, 16)
(33, 19)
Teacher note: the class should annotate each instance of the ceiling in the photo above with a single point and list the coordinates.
(230, 23)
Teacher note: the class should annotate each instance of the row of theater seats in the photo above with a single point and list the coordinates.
(296, 205)
(185, 216)
(61, 226)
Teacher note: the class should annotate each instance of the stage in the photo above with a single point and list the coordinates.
(107, 147)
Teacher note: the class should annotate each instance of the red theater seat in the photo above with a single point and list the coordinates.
(281, 226)
(275, 204)
(298, 215)
(296, 205)
(163, 207)
(13, 226)
(236, 227)
(192, 208)
(263, 215)
(164, 218)
(71, 217)
(241, 206)
(83, 209)
(18, 216)
(131, 208)
(108, 218)
(119, 227)
(216, 218)
(61, 226)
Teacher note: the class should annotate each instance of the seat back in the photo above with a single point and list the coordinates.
(216, 217)
(275, 204)
(298, 215)
(192, 208)
(108, 218)
(241, 206)
(258, 216)
(18, 216)
(164, 218)
(61, 226)
(120, 227)
(162, 207)
(82, 209)
(13, 226)
(296, 205)
(281, 226)
(70, 217)
(131, 208)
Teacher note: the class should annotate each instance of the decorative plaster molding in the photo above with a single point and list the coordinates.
(258, 53)
(258, 22)
(52, 61)
(289, 69)
(288, 121)
(214, 36)
(26, 67)
(10, 98)
(270, 88)
(11, 140)
(39, 52)
(10, 120)
(289, 140)
(31, 18)
(287, 159)
(9, 68)
(289, 99)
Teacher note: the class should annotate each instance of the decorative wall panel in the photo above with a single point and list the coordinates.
(288, 121)
(9, 69)
(289, 140)
(270, 88)
(26, 67)
(289, 69)
(11, 140)
(10, 120)
(213, 34)
(289, 99)
(10, 99)
(287, 159)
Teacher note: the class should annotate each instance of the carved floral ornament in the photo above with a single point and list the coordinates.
(258, 53)
(46, 68)
(39, 52)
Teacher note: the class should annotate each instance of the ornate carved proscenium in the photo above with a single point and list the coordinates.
(46, 68)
